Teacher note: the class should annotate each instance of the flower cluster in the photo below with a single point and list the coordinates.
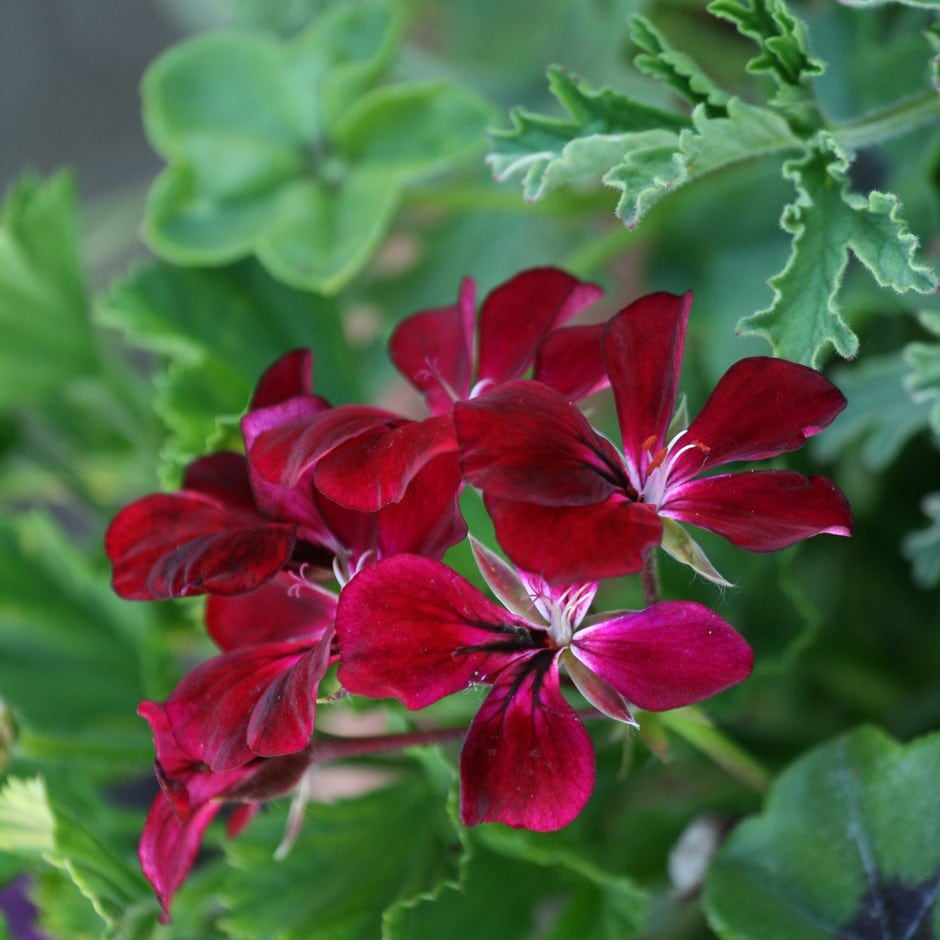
(321, 544)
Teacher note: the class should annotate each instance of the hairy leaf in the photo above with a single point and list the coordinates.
(827, 220)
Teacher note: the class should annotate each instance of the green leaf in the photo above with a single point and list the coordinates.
(923, 379)
(40, 828)
(220, 329)
(352, 861)
(784, 53)
(846, 848)
(922, 548)
(881, 417)
(678, 70)
(413, 130)
(44, 321)
(925, 4)
(282, 150)
(743, 132)
(546, 152)
(827, 220)
(64, 630)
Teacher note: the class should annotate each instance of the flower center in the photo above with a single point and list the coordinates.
(660, 465)
(563, 612)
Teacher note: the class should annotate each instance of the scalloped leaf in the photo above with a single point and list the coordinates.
(352, 861)
(846, 848)
(676, 69)
(280, 149)
(882, 415)
(219, 329)
(827, 220)
(742, 132)
(923, 378)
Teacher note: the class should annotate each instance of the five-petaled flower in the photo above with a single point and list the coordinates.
(566, 504)
(413, 629)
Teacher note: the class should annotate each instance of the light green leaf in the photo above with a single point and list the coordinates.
(922, 548)
(827, 220)
(925, 4)
(220, 329)
(881, 416)
(784, 53)
(546, 152)
(923, 379)
(743, 132)
(678, 70)
(412, 130)
(26, 821)
(44, 320)
(280, 149)
(352, 861)
(846, 847)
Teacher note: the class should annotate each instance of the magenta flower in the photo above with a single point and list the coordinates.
(567, 504)
(413, 629)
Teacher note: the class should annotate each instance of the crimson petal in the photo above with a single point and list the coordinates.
(375, 468)
(434, 351)
(670, 655)
(212, 708)
(288, 377)
(523, 441)
(517, 314)
(413, 629)
(761, 510)
(570, 361)
(171, 545)
(527, 760)
(760, 407)
(283, 608)
(569, 545)
(642, 348)
(169, 845)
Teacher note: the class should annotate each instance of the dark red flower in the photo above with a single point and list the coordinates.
(413, 629)
(566, 503)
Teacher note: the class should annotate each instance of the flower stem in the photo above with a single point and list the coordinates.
(896, 119)
(650, 578)
(325, 747)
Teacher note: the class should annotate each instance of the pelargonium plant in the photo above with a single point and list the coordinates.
(261, 533)
(458, 523)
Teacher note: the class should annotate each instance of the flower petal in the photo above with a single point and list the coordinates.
(169, 845)
(290, 376)
(523, 441)
(211, 709)
(670, 655)
(413, 629)
(177, 544)
(567, 545)
(760, 407)
(517, 314)
(527, 760)
(642, 348)
(375, 468)
(434, 351)
(284, 608)
(762, 510)
(570, 361)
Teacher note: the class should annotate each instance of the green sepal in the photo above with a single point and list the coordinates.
(678, 544)
(846, 841)
(826, 220)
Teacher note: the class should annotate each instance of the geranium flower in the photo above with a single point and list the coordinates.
(567, 504)
(413, 629)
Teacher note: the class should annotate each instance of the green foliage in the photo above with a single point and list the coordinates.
(44, 322)
(653, 158)
(837, 851)
(922, 548)
(273, 148)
